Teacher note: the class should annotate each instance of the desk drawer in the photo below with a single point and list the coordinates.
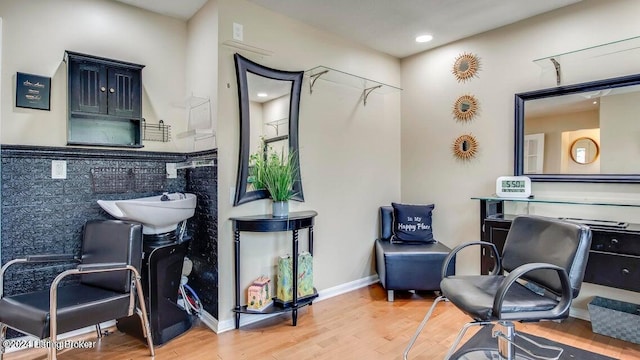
(620, 243)
(608, 269)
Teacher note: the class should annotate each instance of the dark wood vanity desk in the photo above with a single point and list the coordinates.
(267, 223)
(614, 258)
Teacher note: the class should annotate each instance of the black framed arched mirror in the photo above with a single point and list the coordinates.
(269, 102)
(548, 121)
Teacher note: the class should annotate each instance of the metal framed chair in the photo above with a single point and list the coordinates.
(107, 286)
(545, 259)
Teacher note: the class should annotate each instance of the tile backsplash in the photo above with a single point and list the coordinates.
(42, 215)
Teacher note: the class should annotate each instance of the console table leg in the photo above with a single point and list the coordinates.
(294, 317)
(311, 240)
(294, 276)
(236, 246)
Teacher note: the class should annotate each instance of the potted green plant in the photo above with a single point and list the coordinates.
(274, 172)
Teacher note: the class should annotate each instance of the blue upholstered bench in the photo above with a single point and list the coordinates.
(408, 266)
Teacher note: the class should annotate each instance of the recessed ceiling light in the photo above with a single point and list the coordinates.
(262, 95)
(424, 38)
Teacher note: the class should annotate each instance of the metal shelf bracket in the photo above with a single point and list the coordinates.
(314, 78)
(368, 91)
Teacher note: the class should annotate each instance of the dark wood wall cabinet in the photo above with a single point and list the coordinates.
(105, 101)
(614, 258)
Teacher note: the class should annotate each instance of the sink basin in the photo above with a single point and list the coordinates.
(158, 214)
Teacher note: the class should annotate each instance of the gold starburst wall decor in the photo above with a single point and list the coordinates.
(465, 108)
(465, 147)
(466, 66)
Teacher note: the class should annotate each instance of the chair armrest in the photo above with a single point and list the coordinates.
(562, 306)
(84, 268)
(39, 259)
(50, 258)
(34, 259)
(101, 267)
(498, 263)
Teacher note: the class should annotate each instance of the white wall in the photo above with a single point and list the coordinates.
(348, 167)
(41, 30)
(430, 173)
(620, 133)
(202, 67)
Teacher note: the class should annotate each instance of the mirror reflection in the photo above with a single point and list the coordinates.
(269, 101)
(465, 108)
(584, 151)
(269, 113)
(465, 147)
(583, 132)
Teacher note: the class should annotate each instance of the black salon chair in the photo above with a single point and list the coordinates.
(106, 286)
(545, 259)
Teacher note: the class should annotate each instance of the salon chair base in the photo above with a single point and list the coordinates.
(504, 343)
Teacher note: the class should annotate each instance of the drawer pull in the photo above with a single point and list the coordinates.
(614, 241)
(625, 271)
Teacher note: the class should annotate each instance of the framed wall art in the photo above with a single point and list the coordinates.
(33, 91)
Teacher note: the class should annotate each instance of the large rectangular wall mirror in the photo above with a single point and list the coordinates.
(586, 132)
(269, 101)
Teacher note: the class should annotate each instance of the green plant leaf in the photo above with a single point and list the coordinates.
(274, 172)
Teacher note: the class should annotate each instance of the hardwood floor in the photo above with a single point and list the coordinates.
(358, 325)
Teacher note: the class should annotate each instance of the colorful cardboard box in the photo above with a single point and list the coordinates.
(285, 280)
(259, 294)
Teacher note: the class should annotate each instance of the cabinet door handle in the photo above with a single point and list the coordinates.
(112, 90)
(614, 241)
(625, 271)
(103, 89)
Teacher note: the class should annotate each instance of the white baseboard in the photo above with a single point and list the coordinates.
(209, 320)
(28, 339)
(247, 319)
(582, 314)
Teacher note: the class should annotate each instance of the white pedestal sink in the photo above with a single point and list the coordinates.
(158, 214)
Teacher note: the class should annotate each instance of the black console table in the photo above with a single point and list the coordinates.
(614, 258)
(268, 223)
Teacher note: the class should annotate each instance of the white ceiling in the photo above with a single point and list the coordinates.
(389, 26)
(181, 9)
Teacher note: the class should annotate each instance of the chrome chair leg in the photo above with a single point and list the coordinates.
(461, 333)
(98, 331)
(142, 313)
(506, 334)
(3, 336)
(405, 354)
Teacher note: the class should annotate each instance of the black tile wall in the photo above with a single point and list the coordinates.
(40, 215)
(204, 254)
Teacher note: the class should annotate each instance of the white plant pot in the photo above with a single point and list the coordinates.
(280, 209)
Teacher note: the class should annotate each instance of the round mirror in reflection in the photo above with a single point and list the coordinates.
(584, 150)
(466, 66)
(465, 108)
(465, 147)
